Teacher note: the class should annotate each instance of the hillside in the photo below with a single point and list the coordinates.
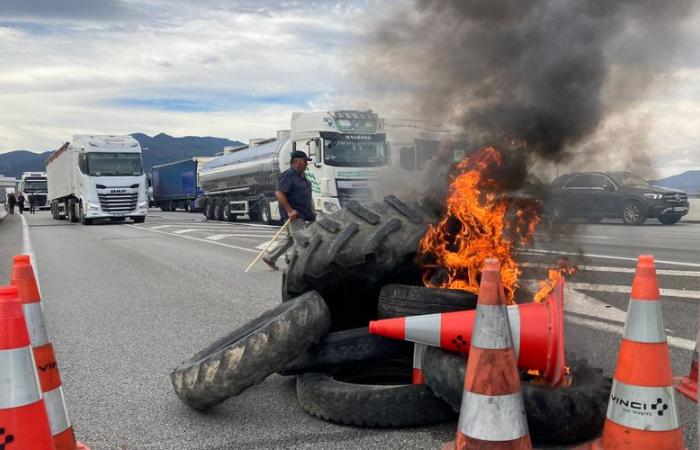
(158, 149)
(688, 181)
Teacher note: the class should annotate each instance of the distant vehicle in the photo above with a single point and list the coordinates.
(34, 184)
(176, 185)
(595, 196)
(347, 149)
(97, 177)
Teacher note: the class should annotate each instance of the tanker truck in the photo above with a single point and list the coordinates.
(347, 148)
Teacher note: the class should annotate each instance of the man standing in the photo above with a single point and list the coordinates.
(31, 204)
(294, 198)
(11, 202)
(20, 203)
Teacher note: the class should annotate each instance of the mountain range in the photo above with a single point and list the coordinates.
(159, 149)
(687, 181)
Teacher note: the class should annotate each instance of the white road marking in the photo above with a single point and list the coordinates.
(572, 236)
(218, 237)
(186, 230)
(160, 226)
(594, 310)
(592, 255)
(215, 228)
(679, 293)
(192, 238)
(27, 249)
(585, 268)
(262, 246)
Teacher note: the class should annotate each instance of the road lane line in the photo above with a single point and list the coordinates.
(262, 246)
(585, 268)
(585, 236)
(27, 249)
(161, 226)
(186, 230)
(679, 293)
(218, 237)
(592, 255)
(192, 238)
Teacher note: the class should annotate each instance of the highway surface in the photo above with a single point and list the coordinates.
(126, 303)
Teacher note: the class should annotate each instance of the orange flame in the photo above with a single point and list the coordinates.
(480, 222)
(562, 270)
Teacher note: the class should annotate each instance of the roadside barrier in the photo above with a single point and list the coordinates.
(642, 413)
(22, 277)
(688, 386)
(537, 347)
(492, 414)
(24, 424)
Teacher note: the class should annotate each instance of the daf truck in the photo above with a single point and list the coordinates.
(33, 184)
(97, 177)
(176, 185)
(347, 148)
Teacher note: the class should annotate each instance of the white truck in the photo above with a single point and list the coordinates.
(348, 148)
(33, 184)
(97, 177)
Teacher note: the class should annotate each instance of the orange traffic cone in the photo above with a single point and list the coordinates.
(537, 347)
(492, 415)
(22, 277)
(642, 412)
(24, 424)
(688, 386)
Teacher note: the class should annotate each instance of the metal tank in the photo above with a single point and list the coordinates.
(252, 170)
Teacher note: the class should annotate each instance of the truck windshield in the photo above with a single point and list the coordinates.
(34, 186)
(114, 164)
(347, 152)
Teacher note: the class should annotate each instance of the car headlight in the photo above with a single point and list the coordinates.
(330, 207)
(654, 196)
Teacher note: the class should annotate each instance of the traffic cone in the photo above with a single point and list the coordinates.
(22, 277)
(492, 414)
(537, 329)
(688, 386)
(642, 413)
(24, 424)
(417, 373)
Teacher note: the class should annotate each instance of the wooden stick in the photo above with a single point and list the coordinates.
(274, 238)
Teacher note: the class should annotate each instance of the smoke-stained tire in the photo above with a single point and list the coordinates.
(351, 253)
(374, 395)
(564, 415)
(347, 347)
(399, 300)
(250, 353)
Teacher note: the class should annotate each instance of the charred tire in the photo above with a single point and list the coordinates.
(633, 213)
(399, 300)
(351, 253)
(554, 416)
(250, 353)
(347, 347)
(371, 395)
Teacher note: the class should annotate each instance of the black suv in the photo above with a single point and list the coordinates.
(595, 196)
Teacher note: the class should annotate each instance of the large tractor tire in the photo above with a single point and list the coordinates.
(250, 353)
(563, 416)
(347, 256)
(399, 300)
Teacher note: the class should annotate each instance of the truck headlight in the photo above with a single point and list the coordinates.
(143, 204)
(654, 196)
(93, 206)
(330, 207)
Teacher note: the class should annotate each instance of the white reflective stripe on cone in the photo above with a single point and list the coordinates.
(494, 330)
(19, 385)
(645, 322)
(34, 316)
(57, 411)
(418, 353)
(424, 329)
(492, 418)
(642, 407)
(514, 321)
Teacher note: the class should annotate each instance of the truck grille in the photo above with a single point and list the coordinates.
(676, 198)
(39, 200)
(118, 202)
(358, 194)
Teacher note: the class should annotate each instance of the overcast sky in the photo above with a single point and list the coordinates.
(234, 69)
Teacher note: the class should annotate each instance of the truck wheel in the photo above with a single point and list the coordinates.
(209, 210)
(633, 213)
(139, 219)
(219, 210)
(250, 353)
(564, 415)
(188, 208)
(350, 254)
(264, 208)
(215, 210)
(371, 395)
(81, 214)
(72, 218)
(399, 300)
(164, 206)
(347, 347)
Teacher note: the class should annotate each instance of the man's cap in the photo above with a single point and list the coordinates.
(299, 154)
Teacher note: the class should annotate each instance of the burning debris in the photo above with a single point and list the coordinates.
(561, 270)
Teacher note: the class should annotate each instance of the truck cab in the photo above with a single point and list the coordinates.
(347, 148)
(34, 185)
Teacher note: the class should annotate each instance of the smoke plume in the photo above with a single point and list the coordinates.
(538, 75)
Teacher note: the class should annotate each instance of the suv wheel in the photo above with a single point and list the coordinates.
(633, 213)
(669, 220)
(558, 215)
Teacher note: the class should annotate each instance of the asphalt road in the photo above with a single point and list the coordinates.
(126, 303)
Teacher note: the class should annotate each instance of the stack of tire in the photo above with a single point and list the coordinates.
(356, 265)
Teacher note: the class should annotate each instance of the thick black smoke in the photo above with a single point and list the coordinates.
(535, 74)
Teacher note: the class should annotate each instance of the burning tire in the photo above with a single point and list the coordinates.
(249, 354)
(347, 347)
(399, 300)
(355, 251)
(554, 416)
(377, 395)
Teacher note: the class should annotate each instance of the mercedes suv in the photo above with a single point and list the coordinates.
(595, 196)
